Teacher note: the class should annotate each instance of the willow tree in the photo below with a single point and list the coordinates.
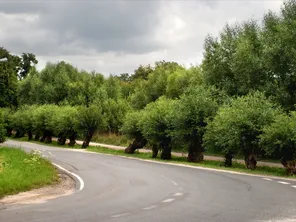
(237, 127)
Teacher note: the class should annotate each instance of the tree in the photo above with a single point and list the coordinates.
(216, 65)
(7, 117)
(115, 111)
(180, 80)
(8, 79)
(156, 123)
(28, 60)
(61, 84)
(150, 89)
(22, 121)
(65, 124)
(42, 117)
(280, 138)
(142, 72)
(237, 127)
(2, 127)
(279, 54)
(195, 108)
(90, 119)
(131, 128)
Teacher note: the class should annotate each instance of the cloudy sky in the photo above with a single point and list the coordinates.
(117, 36)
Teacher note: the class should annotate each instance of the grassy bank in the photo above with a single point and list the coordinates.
(111, 138)
(54, 143)
(238, 167)
(21, 171)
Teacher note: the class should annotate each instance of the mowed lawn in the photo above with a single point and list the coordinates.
(21, 171)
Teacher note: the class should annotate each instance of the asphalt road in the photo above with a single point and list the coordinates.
(120, 189)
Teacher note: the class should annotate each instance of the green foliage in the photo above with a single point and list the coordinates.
(156, 120)
(91, 118)
(237, 127)
(196, 107)
(65, 121)
(156, 84)
(180, 80)
(249, 57)
(2, 127)
(8, 79)
(279, 54)
(142, 72)
(62, 84)
(42, 118)
(115, 112)
(28, 60)
(130, 125)
(280, 136)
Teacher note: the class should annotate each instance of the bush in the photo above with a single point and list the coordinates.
(2, 127)
(237, 127)
(90, 119)
(193, 110)
(280, 138)
(156, 124)
(132, 130)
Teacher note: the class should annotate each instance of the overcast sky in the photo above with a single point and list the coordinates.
(117, 36)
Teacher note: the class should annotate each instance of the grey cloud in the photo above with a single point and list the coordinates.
(98, 25)
(116, 36)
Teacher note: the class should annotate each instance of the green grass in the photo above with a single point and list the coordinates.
(122, 140)
(54, 143)
(111, 138)
(238, 167)
(21, 171)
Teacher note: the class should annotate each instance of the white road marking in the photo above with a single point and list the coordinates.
(178, 194)
(294, 186)
(149, 208)
(282, 182)
(50, 153)
(175, 183)
(120, 215)
(268, 179)
(168, 200)
(73, 174)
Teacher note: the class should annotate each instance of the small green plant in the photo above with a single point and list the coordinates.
(34, 158)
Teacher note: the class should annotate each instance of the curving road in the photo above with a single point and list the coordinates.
(120, 189)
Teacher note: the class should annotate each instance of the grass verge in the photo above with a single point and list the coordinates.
(54, 143)
(21, 171)
(237, 167)
(111, 138)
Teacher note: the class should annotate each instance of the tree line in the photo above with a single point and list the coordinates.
(239, 101)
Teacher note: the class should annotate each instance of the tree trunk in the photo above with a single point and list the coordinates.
(195, 153)
(195, 149)
(154, 151)
(228, 160)
(72, 139)
(37, 137)
(42, 139)
(289, 164)
(251, 161)
(166, 150)
(30, 135)
(48, 139)
(138, 143)
(18, 134)
(61, 140)
(9, 132)
(87, 138)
